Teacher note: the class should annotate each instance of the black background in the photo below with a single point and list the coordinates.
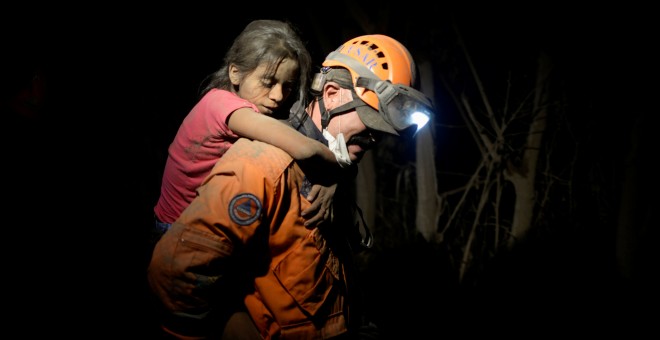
(83, 175)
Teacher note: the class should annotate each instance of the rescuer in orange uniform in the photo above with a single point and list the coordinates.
(239, 261)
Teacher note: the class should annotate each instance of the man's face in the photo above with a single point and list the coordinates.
(358, 137)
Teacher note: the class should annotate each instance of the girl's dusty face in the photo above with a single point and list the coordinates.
(264, 91)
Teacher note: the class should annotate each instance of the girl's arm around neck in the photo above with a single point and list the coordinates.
(247, 123)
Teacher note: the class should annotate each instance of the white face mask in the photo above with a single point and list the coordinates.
(338, 147)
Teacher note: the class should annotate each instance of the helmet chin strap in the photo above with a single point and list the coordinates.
(341, 109)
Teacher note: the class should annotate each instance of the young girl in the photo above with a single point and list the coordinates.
(264, 65)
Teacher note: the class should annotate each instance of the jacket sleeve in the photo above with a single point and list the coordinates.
(194, 269)
(186, 264)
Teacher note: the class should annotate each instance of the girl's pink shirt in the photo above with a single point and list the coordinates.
(202, 139)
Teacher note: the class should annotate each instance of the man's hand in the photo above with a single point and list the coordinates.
(321, 209)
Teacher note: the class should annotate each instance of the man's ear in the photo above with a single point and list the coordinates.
(234, 74)
(331, 93)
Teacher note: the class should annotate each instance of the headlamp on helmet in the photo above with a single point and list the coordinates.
(402, 106)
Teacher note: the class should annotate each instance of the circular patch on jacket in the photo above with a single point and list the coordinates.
(244, 209)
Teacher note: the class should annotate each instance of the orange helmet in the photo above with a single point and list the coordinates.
(383, 74)
(385, 57)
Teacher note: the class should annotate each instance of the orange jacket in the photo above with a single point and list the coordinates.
(245, 224)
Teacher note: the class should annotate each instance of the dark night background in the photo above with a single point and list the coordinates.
(83, 166)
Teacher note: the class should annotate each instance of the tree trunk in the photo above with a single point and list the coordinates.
(428, 213)
(365, 188)
(637, 231)
(524, 175)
